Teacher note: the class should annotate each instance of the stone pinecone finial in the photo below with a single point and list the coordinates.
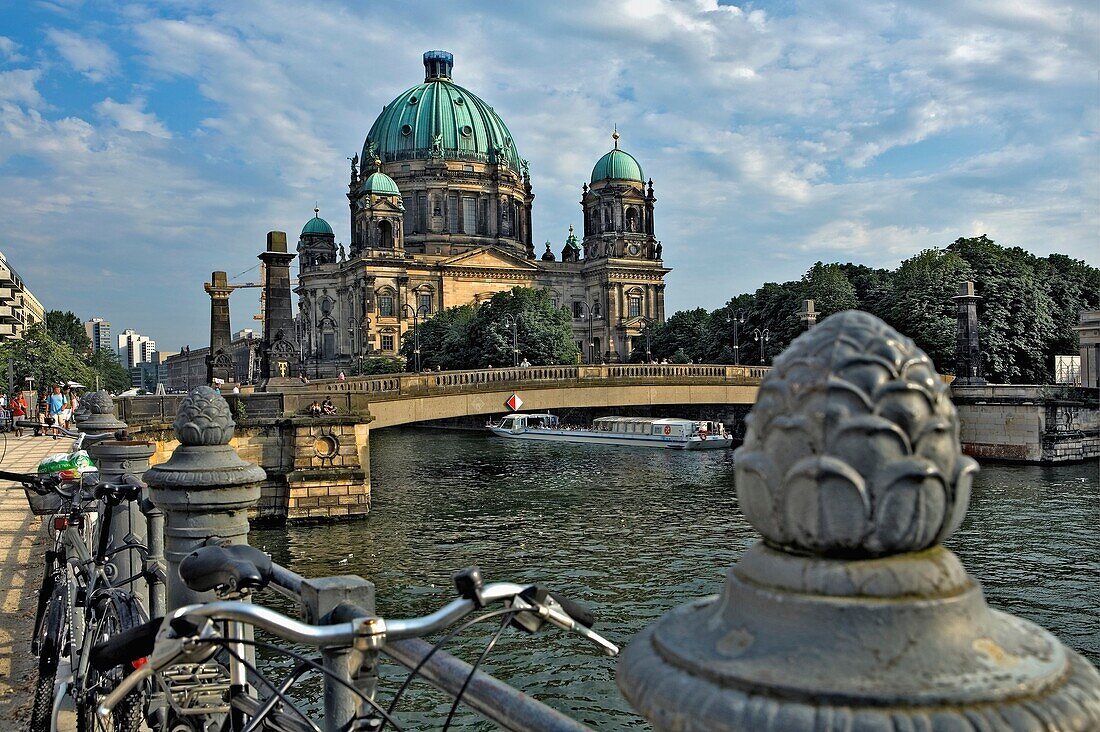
(98, 402)
(204, 418)
(853, 446)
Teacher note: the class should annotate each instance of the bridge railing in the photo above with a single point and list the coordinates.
(396, 385)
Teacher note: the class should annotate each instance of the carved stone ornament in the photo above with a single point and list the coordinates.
(99, 413)
(204, 418)
(850, 615)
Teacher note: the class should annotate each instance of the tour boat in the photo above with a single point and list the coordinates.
(676, 434)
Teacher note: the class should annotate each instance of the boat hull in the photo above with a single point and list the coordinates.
(604, 438)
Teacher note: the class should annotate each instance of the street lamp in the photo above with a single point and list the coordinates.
(513, 323)
(351, 343)
(591, 340)
(416, 331)
(762, 336)
(737, 319)
(364, 335)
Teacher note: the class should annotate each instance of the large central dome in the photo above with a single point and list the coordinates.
(440, 119)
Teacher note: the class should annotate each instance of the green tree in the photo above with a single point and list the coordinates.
(918, 302)
(65, 327)
(1016, 314)
(48, 362)
(472, 336)
(544, 333)
(687, 330)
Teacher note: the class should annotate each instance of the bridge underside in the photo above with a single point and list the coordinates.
(394, 412)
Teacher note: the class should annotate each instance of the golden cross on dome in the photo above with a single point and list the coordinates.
(615, 136)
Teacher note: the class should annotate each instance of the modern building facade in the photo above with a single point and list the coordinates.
(134, 348)
(440, 215)
(99, 333)
(19, 308)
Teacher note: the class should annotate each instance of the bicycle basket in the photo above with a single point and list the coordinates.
(44, 505)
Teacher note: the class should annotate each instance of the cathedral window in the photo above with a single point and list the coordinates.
(387, 342)
(632, 219)
(596, 309)
(410, 213)
(634, 308)
(452, 214)
(424, 303)
(385, 235)
(422, 214)
(469, 215)
(483, 216)
(385, 306)
(578, 310)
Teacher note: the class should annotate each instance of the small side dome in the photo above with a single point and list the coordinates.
(379, 184)
(317, 225)
(548, 256)
(617, 165)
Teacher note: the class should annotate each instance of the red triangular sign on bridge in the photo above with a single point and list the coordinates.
(514, 402)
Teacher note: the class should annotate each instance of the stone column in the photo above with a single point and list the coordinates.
(850, 614)
(219, 362)
(279, 355)
(807, 315)
(204, 488)
(968, 355)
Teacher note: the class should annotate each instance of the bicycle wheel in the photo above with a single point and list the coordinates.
(51, 644)
(112, 614)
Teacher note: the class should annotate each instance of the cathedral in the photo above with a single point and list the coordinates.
(441, 216)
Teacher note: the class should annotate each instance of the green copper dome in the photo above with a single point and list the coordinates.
(317, 225)
(617, 165)
(440, 119)
(379, 184)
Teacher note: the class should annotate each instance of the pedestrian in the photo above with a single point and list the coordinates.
(314, 409)
(341, 377)
(525, 364)
(327, 407)
(18, 412)
(55, 405)
(42, 407)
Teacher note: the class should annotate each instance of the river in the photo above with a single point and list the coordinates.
(634, 533)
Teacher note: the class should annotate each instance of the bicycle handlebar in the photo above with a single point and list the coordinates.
(181, 638)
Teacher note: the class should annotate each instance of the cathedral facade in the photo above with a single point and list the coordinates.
(441, 206)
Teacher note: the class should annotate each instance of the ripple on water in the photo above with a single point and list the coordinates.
(635, 533)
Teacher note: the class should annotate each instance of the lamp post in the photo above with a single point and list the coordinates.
(416, 332)
(351, 344)
(591, 341)
(513, 323)
(737, 319)
(762, 336)
(364, 335)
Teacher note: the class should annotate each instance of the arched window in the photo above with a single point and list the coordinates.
(385, 235)
(634, 303)
(386, 303)
(632, 219)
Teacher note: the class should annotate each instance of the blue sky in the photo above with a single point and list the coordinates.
(143, 145)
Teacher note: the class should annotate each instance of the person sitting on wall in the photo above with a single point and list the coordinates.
(327, 407)
(314, 409)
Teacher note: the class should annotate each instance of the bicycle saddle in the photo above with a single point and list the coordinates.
(226, 569)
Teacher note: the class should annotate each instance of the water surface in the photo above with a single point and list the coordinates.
(634, 533)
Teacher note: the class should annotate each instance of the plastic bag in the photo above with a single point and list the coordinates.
(68, 466)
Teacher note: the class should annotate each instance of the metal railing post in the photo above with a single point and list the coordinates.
(320, 598)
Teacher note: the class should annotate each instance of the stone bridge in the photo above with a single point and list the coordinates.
(405, 398)
(319, 468)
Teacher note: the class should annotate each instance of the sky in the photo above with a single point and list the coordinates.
(144, 145)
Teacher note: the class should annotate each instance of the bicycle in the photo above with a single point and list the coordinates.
(81, 602)
(190, 640)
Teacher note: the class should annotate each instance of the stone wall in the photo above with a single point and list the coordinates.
(1034, 424)
(317, 469)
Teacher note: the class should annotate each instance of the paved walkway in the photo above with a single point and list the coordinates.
(21, 546)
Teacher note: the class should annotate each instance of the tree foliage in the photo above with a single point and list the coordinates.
(1028, 310)
(48, 362)
(65, 327)
(470, 336)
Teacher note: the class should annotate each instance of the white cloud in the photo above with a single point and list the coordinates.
(18, 86)
(132, 117)
(89, 56)
(837, 130)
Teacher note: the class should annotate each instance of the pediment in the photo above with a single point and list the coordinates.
(487, 258)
